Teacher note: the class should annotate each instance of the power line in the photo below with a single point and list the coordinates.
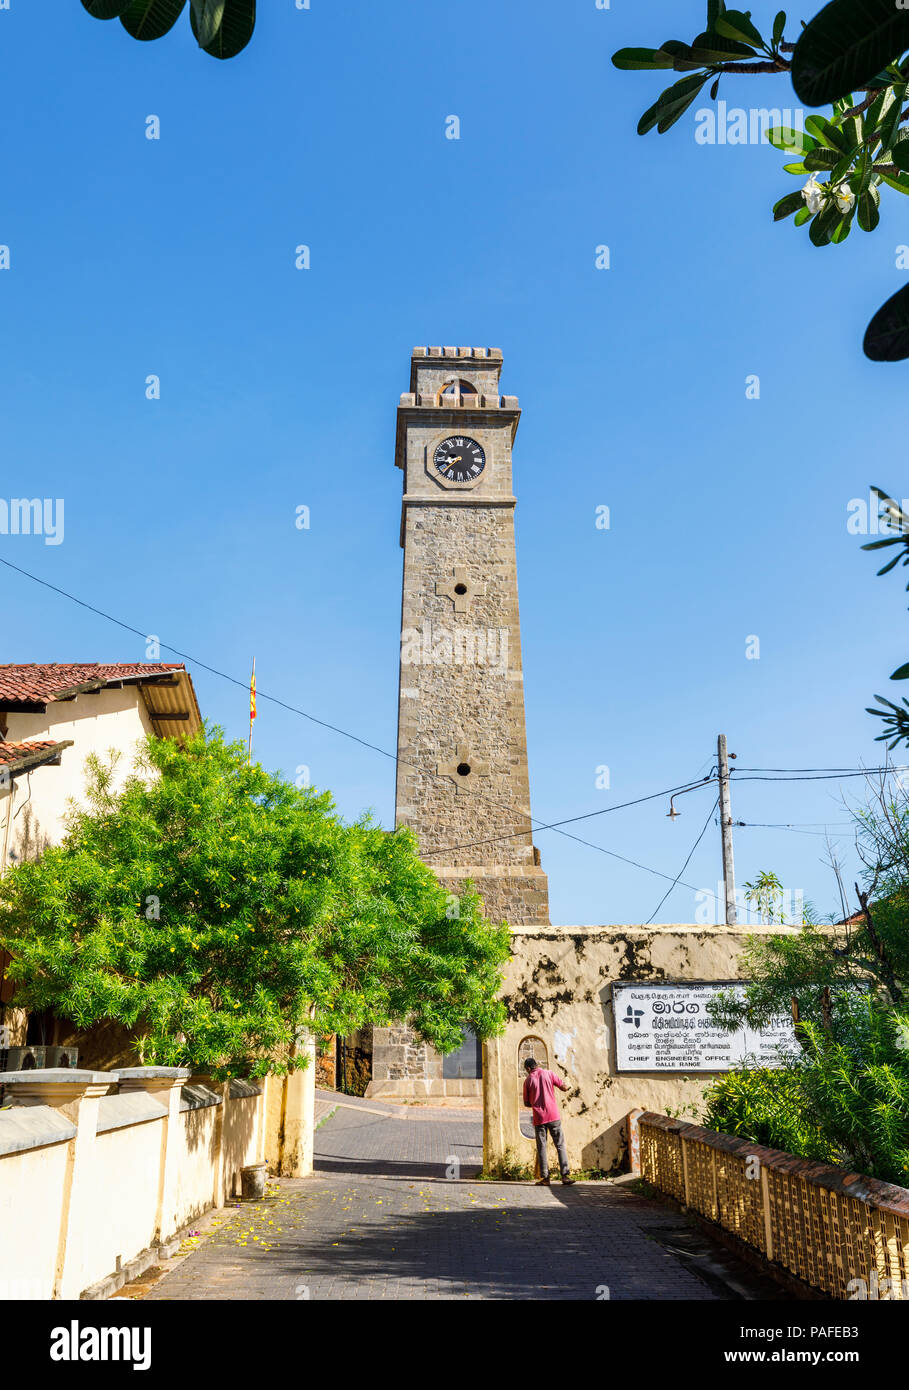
(816, 774)
(686, 863)
(224, 675)
(569, 820)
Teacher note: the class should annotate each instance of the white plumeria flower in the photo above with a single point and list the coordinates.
(844, 197)
(813, 193)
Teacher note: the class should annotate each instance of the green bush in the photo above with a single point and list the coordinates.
(844, 1099)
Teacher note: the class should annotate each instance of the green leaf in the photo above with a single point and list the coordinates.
(783, 137)
(825, 224)
(796, 168)
(105, 9)
(235, 30)
(714, 9)
(845, 46)
(868, 212)
(900, 182)
(821, 159)
(792, 202)
(876, 111)
(902, 672)
(713, 48)
(802, 217)
(891, 123)
(899, 154)
(736, 25)
(779, 25)
(207, 15)
(843, 227)
(827, 133)
(878, 545)
(151, 19)
(672, 104)
(887, 335)
(630, 59)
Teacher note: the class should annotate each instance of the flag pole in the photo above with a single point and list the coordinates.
(252, 709)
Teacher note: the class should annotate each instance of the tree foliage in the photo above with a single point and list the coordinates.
(843, 1093)
(221, 28)
(217, 910)
(849, 55)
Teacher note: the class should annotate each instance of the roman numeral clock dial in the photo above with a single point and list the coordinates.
(460, 459)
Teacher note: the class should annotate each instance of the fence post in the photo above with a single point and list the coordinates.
(76, 1093)
(165, 1084)
(768, 1225)
(684, 1146)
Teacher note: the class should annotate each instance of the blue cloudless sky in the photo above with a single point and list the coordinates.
(175, 257)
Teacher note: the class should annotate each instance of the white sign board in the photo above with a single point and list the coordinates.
(668, 1028)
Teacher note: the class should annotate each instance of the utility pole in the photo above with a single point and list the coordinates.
(726, 827)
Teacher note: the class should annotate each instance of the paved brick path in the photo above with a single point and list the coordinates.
(380, 1219)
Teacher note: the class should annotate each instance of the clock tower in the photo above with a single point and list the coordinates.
(463, 784)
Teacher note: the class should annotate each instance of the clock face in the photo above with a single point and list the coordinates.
(459, 459)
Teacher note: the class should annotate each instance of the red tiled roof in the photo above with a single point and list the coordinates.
(11, 754)
(42, 684)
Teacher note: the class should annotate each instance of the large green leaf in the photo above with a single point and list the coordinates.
(887, 335)
(631, 59)
(828, 133)
(792, 202)
(783, 137)
(105, 9)
(235, 30)
(868, 211)
(672, 104)
(899, 154)
(207, 15)
(151, 19)
(820, 160)
(736, 25)
(845, 46)
(900, 182)
(713, 48)
(825, 224)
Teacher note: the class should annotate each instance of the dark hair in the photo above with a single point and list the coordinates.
(530, 1064)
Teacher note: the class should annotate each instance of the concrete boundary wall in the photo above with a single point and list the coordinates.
(99, 1168)
(558, 993)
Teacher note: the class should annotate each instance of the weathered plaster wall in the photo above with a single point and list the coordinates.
(558, 986)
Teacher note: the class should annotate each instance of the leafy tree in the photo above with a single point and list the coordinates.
(844, 1099)
(848, 155)
(222, 28)
(845, 49)
(217, 910)
(843, 1094)
(765, 895)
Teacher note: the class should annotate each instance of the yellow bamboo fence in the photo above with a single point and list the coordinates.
(842, 1233)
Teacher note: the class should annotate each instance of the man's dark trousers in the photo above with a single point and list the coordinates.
(542, 1133)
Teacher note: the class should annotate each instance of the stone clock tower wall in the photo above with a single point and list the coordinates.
(462, 772)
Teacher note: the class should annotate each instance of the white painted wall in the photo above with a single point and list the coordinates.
(110, 720)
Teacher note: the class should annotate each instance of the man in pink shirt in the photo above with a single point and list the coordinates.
(539, 1094)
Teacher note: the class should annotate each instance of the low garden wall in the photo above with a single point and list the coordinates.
(842, 1234)
(101, 1169)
